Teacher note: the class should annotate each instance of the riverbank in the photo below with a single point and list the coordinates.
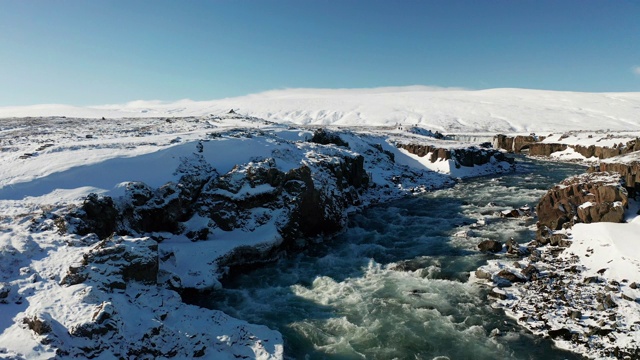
(580, 287)
(177, 199)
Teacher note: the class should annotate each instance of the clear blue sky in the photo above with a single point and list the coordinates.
(97, 52)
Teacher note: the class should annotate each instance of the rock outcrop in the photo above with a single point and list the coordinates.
(115, 261)
(535, 146)
(545, 149)
(515, 144)
(467, 157)
(586, 198)
(628, 170)
(549, 293)
(300, 203)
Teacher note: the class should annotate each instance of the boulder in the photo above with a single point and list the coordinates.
(39, 325)
(490, 246)
(530, 271)
(324, 137)
(562, 333)
(98, 215)
(508, 275)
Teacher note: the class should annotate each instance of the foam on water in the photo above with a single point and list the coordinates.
(393, 286)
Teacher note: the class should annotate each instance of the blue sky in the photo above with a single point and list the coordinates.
(98, 52)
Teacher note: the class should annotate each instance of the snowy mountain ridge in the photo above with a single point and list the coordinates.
(448, 110)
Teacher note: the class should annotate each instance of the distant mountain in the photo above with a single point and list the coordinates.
(444, 110)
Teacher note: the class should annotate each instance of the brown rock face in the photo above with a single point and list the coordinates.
(593, 197)
(630, 173)
(544, 149)
(518, 143)
(468, 157)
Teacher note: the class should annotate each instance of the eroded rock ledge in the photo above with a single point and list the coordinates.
(469, 156)
(535, 146)
(299, 204)
(552, 293)
(628, 170)
(622, 157)
(586, 198)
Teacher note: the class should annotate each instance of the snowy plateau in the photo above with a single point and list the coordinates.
(113, 217)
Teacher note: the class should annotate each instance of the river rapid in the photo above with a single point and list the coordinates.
(394, 284)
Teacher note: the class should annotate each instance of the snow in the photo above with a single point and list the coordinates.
(615, 247)
(52, 156)
(602, 138)
(50, 164)
(570, 155)
(606, 260)
(450, 111)
(630, 158)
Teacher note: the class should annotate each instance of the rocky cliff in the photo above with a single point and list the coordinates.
(628, 170)
(469, 156)
(586, 198)
(535, 146)
(516, 143)
(302, 202)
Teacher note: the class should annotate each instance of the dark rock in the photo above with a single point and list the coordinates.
(467, 157)
(557, 239)
(512, 246)
(38, 325)
(608, 302)
(514, 213)
(562, 333)
(323, 137)
(5, 289)
(592, 280)
(199, 235)
(74, 276)
(508, 275)
(98, 214)
(490, 246)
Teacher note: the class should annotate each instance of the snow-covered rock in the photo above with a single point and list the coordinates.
(590, 197)
(578, 286)
(106, 223)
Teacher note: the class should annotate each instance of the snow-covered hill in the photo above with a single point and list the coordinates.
(445, 110)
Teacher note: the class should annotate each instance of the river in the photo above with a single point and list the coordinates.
(394, 284)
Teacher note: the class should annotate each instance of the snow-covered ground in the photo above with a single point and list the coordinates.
(51, 161)
(448, 111)
(49, 305)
